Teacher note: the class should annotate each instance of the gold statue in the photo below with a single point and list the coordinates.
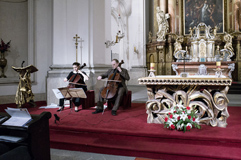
(24, 92)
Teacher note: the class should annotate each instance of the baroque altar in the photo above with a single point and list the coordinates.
(207, 93)
(204, 52)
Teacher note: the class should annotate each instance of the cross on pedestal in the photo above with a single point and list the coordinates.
(76, 45)
(184, 60)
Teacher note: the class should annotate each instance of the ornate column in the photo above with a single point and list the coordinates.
(155, 25)
(171, 11)
(161, 50)
(238, 57)
(239, 16)
(163, 4)
(236, 12)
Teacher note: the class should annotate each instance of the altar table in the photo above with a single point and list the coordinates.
(207, 93)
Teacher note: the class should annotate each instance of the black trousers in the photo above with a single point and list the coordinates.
(76, 102)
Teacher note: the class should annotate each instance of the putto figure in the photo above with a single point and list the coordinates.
(228, 42)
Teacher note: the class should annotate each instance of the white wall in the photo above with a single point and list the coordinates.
(137, 34)
(97, 25)
(41, 52)
(43, 42)
(14, 27)
(133, 25)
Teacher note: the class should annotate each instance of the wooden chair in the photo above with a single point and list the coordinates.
(86, 102)
(125, 104)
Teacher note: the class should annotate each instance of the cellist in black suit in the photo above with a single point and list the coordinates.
(122, 88)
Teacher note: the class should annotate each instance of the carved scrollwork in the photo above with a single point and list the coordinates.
(155, 112)
(211, 104)
(150, 93)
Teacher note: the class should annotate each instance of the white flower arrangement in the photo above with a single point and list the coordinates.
(182, 118)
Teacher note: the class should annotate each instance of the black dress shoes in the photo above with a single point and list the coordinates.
(60, 109)
(97, 111)
(113, 113)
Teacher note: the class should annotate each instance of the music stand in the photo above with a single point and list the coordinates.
(24, 92)
(30, 68)
(70, 93)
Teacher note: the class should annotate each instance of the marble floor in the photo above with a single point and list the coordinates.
(139, 95)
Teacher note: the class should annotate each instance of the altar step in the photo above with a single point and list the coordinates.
(235, 88)
(131, 144)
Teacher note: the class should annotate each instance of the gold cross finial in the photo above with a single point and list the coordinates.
(76, 39)
(76, 44)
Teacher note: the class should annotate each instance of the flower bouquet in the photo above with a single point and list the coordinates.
(4, 46)
(182, 118)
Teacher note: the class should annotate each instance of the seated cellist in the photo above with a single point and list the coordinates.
(122, 88)
(80, 83)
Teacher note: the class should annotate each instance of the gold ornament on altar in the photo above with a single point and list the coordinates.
(24, 92)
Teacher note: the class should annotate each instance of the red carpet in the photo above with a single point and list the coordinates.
(128, 134)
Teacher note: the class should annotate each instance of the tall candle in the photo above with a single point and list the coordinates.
(152, 67)
(218, 64)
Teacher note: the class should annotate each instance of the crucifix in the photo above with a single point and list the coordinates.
(184, 74)
(76, 45)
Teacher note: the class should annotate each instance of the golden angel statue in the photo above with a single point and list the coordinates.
(24, 92)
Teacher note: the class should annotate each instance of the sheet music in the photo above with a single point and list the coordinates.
(10, 138)
(19, 117)
(16, 121)
(77, 92)
(58, 94)
(72, 92)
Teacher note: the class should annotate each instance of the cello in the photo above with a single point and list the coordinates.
(73, 80)
(111, 88)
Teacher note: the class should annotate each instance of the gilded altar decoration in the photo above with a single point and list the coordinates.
(207, 93)
(3, 61)
(24, 92)
(178, 45)
(228, 51)
(163, 26)
(202, 54)
(182, 118)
